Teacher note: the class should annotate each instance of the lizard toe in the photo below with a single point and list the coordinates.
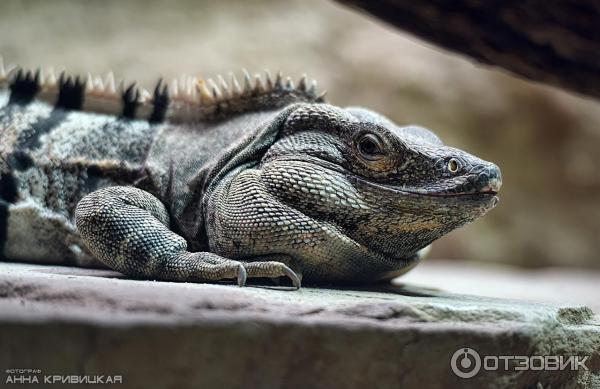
(272, 269)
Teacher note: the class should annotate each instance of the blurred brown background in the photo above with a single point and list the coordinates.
(546, 141)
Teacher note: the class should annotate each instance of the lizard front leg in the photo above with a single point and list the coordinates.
(127, 229)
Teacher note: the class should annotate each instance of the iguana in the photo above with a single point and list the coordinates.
(213, 180)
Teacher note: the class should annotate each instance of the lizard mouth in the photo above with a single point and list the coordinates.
(483, 185)
(488, 198)
(449, 193)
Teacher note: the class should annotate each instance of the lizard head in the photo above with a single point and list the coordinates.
(390, 189)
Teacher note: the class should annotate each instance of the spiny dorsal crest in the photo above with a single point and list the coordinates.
(187, 99)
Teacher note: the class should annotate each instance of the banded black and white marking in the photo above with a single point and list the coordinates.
(160, 103)
(8, 195)
(131, 100)
(24, 87)
(188, 99)
(70, 92)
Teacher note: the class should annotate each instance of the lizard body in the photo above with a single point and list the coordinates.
(204, 181)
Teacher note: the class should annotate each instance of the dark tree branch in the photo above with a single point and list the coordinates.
(554, 42)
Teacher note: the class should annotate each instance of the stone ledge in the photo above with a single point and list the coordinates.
(158, 334)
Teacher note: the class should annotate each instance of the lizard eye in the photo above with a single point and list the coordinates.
(370, 147)
(453, 165)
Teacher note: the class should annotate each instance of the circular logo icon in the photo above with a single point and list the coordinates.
(465, 362)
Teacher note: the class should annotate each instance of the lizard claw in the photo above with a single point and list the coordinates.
(241, 276)
(292, 276)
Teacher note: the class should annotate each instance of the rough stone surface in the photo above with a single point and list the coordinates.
(554, 285)
(158, 334)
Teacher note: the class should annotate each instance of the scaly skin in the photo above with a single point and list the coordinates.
(301, 189)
